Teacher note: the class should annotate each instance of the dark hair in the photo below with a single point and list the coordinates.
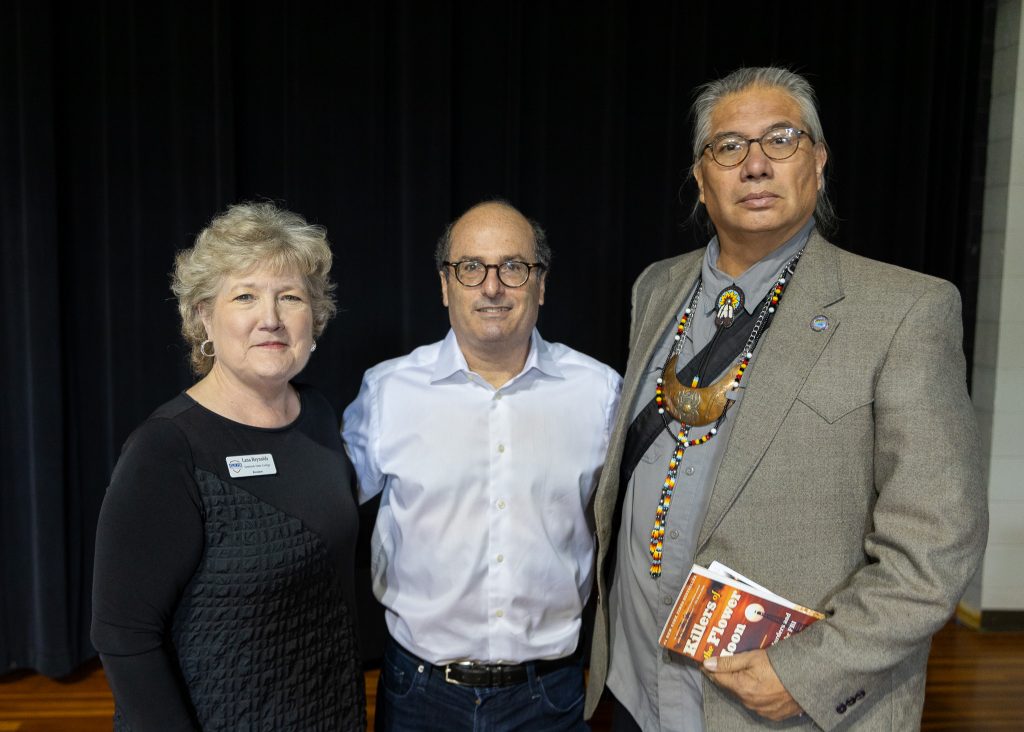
(443, 250)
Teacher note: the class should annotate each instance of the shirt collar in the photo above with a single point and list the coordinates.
(757, 279)
(451, 360)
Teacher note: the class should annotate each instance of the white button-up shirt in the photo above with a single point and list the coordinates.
(482, 549)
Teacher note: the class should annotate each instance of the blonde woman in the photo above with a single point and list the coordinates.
(223, 586)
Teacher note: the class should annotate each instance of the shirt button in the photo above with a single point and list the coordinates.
(674, 534)
(501, 448)
(667, 599)
(500, 558)
(500, 613)
(501, 504)
(689, 470)
(497, 397)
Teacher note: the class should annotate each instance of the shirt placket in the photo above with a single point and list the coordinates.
(677, 558)
(502, 506)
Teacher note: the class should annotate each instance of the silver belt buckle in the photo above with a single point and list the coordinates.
(447, 672)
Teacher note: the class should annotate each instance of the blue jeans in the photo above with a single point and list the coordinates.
(412, 696)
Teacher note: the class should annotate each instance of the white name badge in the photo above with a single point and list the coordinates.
(247, 466)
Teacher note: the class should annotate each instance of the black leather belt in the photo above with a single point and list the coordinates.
(470, 673)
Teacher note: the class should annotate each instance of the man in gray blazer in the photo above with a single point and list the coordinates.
(800, 414)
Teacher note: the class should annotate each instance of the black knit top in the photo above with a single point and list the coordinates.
(223, 600)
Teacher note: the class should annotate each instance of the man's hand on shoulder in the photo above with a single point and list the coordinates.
(751, 678)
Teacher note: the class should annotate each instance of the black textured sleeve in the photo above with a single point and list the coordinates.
(148, 544)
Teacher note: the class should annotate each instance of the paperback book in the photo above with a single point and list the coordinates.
(719, 612)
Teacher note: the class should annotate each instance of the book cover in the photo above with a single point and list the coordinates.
(719, 612)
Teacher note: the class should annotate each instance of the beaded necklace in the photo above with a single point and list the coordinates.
(767, 311)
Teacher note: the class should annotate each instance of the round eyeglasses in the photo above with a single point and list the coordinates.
(778, 144)
(472, 272)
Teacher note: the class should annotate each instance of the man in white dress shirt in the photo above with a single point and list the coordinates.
(487, 447)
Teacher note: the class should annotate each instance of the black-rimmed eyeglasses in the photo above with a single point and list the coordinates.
(513, 273)
(778, 144)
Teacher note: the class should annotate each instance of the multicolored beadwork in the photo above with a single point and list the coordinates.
(683, 442)
(659, 392)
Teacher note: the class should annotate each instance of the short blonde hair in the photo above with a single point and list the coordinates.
(243, 238)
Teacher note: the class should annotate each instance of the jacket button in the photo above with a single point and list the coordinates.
(860, 694)
(851, 701)
(841, 708)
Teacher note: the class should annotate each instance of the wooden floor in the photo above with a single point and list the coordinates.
(975, 682)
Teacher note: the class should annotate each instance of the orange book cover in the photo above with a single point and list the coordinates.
(720, 613)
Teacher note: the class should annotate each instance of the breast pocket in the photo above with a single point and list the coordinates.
(833, 405)
(823, 456)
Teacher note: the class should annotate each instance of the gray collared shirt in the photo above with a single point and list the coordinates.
(642, 673)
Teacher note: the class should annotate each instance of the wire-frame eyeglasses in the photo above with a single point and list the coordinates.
(777, 144)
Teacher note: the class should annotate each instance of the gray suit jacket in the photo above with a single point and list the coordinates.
(851, 483)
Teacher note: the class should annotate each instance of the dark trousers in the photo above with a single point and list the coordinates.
(413, 696)
(622, 720)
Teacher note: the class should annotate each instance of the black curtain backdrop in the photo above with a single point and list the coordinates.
(125, 126)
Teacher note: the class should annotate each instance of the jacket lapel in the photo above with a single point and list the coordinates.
(664, 302)
(789, 350)
(655, 306)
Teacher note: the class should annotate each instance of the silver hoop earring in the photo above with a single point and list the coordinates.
(202, 349)
(313, 347)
